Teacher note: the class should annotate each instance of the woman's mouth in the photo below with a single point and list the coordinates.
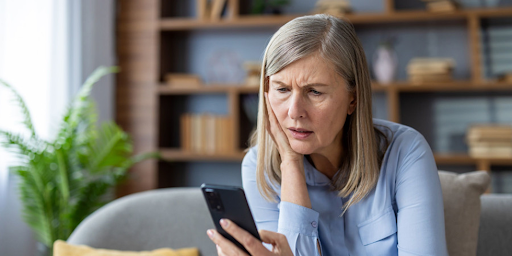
(299, 133)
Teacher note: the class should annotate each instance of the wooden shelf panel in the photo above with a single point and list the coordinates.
(180, 155)
(461, 158)
(441, 158)
(455, 86)
(176, 24)
(400, 86)
(212, 88)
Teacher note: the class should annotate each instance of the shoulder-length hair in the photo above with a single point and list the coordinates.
(335, 41)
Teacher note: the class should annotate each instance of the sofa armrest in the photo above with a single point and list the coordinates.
(495, 233)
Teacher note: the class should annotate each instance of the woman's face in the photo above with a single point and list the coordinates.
(311, 102)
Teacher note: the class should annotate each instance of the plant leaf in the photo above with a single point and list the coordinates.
(27, 120)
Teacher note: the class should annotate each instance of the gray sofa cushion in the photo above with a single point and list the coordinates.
(495, 234)
(150, 220)
(461, 198)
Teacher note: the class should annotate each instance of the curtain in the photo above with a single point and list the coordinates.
(34, 59)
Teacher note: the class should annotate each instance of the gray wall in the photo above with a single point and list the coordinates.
(98, 49)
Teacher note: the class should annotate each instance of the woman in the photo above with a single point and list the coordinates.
(321, 172)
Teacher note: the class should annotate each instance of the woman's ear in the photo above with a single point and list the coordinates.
(353, 103)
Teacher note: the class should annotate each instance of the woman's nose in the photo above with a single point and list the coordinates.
(296, 109)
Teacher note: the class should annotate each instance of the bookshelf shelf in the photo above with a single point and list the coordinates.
(400, 86)
(461, 158)
(455, 86)
(211, 88)
(177, 154)
(178, 24)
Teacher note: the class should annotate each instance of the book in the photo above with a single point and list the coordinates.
(491, 143)
(182, 80)
(489, 132)
(431, 63)
(217, 7)
(491, 152)
(209, 128)
(442, 6)
(203, 8)
(419, 70)
(197, 133)
(332, 7)
(185, 132)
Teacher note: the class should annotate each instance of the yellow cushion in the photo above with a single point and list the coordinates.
(61, 248)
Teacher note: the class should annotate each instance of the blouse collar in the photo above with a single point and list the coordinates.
(313, 176)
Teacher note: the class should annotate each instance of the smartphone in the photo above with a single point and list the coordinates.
(227, 202)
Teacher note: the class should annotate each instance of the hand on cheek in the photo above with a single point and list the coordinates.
(279, 137)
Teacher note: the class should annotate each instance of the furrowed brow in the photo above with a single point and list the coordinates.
(307, 85)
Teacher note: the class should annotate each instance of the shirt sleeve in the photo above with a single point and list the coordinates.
(299, 224)
(419, 200)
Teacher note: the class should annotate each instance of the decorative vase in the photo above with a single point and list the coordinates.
(384, 64)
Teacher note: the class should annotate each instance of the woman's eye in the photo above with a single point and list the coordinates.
(316, 93)
(281, 89)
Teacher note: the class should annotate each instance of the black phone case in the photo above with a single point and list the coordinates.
(235, 208)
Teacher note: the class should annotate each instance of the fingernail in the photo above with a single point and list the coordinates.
(210, 233)
(224, 223)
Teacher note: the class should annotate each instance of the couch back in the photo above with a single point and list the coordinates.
(178, 217)
(171, 217)
(495, 233)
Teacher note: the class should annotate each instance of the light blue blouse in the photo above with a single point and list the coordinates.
(402, 215)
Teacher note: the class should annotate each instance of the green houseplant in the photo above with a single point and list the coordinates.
(64, 180)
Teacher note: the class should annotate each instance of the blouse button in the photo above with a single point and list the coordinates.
(314, 224)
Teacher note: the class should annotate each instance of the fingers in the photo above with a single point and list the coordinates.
(270, 237)
(277, 240)
(251, 244)
(224, 246)
(274, 128)
(219, 251)
(271, 120)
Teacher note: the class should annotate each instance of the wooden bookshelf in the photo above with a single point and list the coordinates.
(400, 86)
(455, 86)
(142, 100)
(210, 88)
(441, 158)
(177, 24)
(180, 155)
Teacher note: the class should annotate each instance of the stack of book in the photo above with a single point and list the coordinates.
(490, 141)
(441, 5)
(336, 8)
(206, 134)
(183, 80)
(506, 77)
(428, 70)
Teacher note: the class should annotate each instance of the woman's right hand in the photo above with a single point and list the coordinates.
(279, 137)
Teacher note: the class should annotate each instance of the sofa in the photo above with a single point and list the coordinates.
(178, 218)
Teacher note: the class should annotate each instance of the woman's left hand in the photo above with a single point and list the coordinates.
(225, 247)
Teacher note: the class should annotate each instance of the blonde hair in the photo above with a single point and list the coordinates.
(335, 41)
